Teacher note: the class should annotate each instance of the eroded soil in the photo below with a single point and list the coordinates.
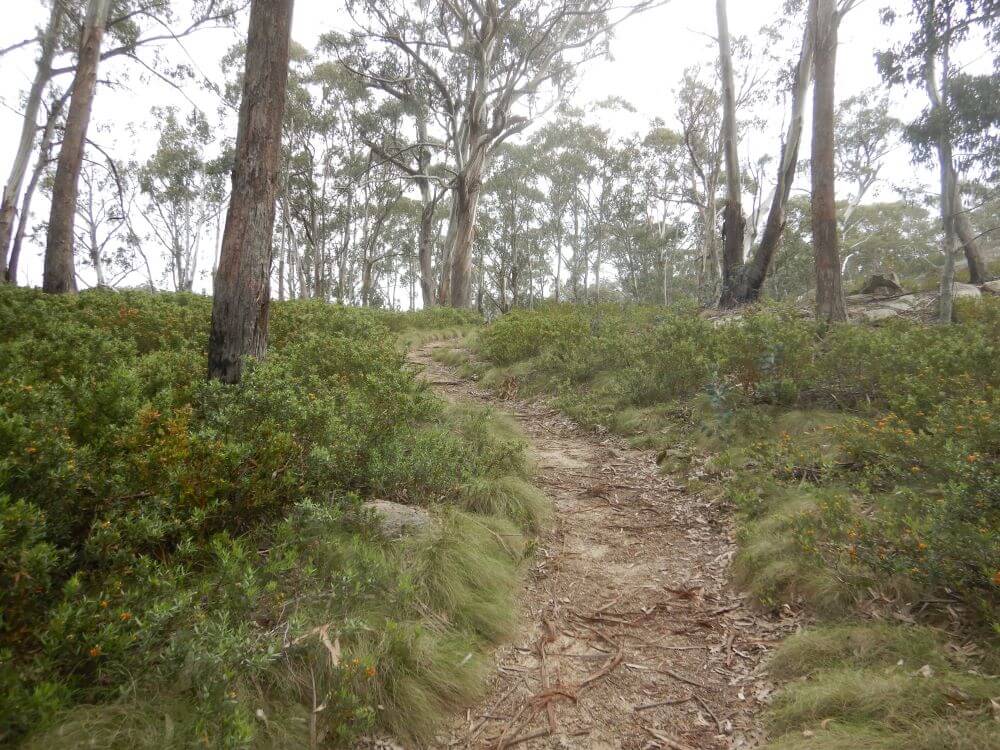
(632, 636)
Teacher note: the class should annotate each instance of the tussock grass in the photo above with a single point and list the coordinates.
(417, 658)
(872, 645)
(508, 497)
(889, 698)
(938, 735)
(878, 685)
(413, 337)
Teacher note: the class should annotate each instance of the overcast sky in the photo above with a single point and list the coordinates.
(649, 55)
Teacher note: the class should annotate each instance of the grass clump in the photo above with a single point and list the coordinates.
(878, 685)
(178, 559)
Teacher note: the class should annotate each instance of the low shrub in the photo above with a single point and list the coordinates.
(905, 424)
(180, 561)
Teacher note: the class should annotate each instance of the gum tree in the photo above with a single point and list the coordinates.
(241, 304)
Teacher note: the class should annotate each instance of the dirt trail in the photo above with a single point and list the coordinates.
(631, 636)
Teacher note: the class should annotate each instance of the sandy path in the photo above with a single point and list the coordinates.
(631, 636)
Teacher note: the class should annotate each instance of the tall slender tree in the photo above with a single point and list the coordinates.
(241, 305)
(733, 221)
(959, 128)
(59, 275)
(11, 191)
(746, 284)
(830, 304)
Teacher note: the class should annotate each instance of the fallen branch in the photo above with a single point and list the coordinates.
(605, 670)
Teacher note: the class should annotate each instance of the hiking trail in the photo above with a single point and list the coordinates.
(631, 634)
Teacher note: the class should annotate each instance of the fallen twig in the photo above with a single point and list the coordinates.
(682, 678)
(660, 704)
(667, 740)
(718, 724)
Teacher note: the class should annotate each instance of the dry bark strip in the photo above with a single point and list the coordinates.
(641, 576)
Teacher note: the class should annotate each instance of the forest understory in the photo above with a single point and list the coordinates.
(632, 633)
(856, 626)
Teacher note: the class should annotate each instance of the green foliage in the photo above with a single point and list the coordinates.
(176, 555)
(864, 455)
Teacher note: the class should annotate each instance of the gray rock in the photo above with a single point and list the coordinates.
(991, 287)
(903, 304)
(396, 520)
(966, 291)
(875, 314)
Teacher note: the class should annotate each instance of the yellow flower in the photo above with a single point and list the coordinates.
(95, 651)
(126, 616)
(104, 603)
(370, 671)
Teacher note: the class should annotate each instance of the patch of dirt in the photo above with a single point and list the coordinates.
(633, 636)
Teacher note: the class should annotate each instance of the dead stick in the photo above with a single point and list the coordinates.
(658, 704)
(527, 738)
(684, 679)
(667, 740)
(718, 724)
(550, 712)
(603, 671)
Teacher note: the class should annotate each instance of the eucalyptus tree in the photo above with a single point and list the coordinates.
(570, 153)
(865, 134)
(743, 281)
(241, 303)
(492, 67)
(325, 163)
(511, 235)
(59, 275)
(825, 17)
(402, 137)
(127, 27)
(699, 114)
(102, 228)
(961, 125)
(184, 191)
(33, 104)
(54, 111)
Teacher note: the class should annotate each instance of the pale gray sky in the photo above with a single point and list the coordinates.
(649, 55)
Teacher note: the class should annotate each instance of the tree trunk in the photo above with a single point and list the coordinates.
(59, 275)
(466, 203)
(751, 280)
(44, 156)
(940, 101)
(425, 246)
(444, 269)
(243, 284)
(29, 128)
(830, 305)
(733, 223)
(978, 273)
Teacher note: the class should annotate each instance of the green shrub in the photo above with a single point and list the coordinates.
(907, 430)
(170, 545)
